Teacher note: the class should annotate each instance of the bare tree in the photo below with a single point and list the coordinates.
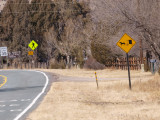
(141, 17)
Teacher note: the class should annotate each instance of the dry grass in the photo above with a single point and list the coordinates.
(101, 73)
(112, 101)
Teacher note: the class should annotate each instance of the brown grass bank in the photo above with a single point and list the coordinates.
(112, 101)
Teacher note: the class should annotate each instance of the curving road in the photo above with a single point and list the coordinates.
(20, 93)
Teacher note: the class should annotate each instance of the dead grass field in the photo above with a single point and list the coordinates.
(112, 101)
(101, 73)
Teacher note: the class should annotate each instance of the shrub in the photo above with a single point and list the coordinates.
(101, 52)
(57, 65)
(78, 54)
(91, 63)
(146, 67)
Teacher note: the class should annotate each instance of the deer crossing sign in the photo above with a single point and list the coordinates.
(126, 43)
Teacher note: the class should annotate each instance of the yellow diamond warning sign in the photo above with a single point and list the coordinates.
(126, 43)
(33, 45)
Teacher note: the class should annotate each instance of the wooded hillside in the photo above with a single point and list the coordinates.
(74, 29)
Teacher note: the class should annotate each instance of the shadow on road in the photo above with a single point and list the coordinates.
(19, 88)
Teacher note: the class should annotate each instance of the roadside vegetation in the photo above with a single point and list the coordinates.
(72, 31)
(113, 99)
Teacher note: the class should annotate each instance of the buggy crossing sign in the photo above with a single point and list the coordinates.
(126, 43)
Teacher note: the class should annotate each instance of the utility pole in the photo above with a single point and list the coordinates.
(141, 50)
(138, 6)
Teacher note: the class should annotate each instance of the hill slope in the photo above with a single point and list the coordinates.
(69, 28)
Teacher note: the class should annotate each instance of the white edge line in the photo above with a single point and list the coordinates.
(34, 101)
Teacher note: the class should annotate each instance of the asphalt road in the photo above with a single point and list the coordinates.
(21, 92)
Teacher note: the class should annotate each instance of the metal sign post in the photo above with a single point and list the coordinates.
(3, 52)
(1, 62)
(153, 61)
(130, 87)
(126, 43)
(0, 59)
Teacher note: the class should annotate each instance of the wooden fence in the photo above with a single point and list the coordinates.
(118, 63)
(121, 63)
(20, 65)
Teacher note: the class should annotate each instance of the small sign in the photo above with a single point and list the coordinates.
(14, 54)
(3, 51)
(33, 45)
(30, 53)
(126, 43)
(152, 60)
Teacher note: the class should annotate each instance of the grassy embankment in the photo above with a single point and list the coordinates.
(112, 101)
